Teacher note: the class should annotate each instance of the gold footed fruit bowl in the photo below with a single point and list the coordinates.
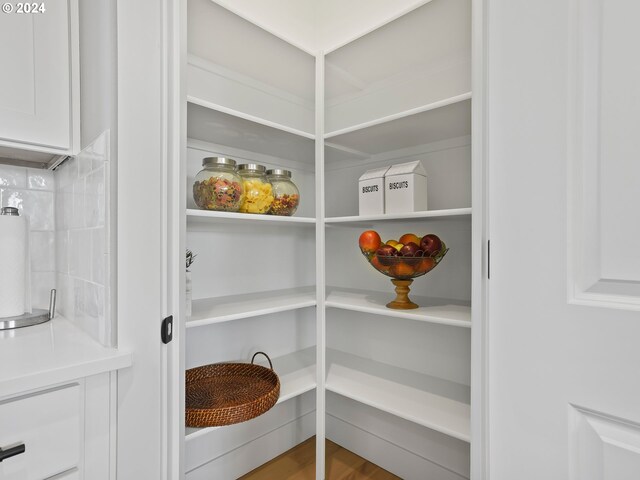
(402, 261)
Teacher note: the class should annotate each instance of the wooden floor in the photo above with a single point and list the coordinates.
(299, 464)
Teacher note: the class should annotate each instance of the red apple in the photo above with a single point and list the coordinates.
(409, 253)
(384, 254)
(431, 245)
(409, 249)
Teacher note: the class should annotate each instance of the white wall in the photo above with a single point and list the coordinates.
(98, 58)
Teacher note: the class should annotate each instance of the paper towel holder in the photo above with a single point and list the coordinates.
(34, 318)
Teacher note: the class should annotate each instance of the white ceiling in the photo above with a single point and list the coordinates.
(320, 25)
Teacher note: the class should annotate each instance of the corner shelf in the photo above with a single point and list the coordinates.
(209, 217)
(358, 220)
(297, 372)
(448, 114)
(211, 123)
(440, 311)
(434, 403)
(208, 311)
(438, 122)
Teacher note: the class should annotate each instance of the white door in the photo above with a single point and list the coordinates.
(564, 195)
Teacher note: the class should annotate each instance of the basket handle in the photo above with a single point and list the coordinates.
(257, 353)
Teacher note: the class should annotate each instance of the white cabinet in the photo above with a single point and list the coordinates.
(37, 85)
(47, 424)
(57, 399)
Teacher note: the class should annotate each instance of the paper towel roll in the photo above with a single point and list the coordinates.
(15, 285)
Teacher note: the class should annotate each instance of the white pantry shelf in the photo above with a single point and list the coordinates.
(358, 220)
(207, 311)
(442, 120)
(215, 124)
(434, 403)
(297, 372)
(435, 310)
(210, 217)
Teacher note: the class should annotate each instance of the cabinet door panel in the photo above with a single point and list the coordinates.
(35, 81)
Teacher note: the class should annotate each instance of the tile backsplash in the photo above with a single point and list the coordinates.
(82, 232)
(32, 191)
(69, 219)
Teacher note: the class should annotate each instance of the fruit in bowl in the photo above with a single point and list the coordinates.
(369, 242)
(403, 260)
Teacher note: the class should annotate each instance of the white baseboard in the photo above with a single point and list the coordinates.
(408, 450)
(257, 452)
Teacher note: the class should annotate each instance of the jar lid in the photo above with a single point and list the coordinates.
(252, 167)
(10, 211)
(218, 161)
(279, 171)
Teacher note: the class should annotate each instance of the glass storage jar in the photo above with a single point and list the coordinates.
(258, 193)
(218, 186)
(286, 196)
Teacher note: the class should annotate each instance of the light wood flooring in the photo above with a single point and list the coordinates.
(299, 464)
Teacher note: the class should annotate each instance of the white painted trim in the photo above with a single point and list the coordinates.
(113, 424)
(480, 227)
(35, 147)
(74, 76)
(321, 330)
(413, 111)
(176, 128)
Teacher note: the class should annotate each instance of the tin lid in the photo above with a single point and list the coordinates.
(218, 161)
(374, 173)
(254, 167)
(279, 171)
(10, 211)
(406, 168)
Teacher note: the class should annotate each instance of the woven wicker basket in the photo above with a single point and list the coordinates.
(228, 393)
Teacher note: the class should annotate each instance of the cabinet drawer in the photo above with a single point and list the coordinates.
(70, 475)
(49, 426)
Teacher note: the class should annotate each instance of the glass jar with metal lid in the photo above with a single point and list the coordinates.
(286, 196)
(258, 193)
(218, 186)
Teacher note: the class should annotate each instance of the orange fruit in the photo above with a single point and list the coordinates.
(401, 269)
(369, 241)
(379, 266)
(426, 264)
(409, 237)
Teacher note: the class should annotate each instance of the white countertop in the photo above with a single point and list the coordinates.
(51, 353)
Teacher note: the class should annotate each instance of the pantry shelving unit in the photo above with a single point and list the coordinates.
(357, 220)
(455, 313)
(207, 311)
(387, 384)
